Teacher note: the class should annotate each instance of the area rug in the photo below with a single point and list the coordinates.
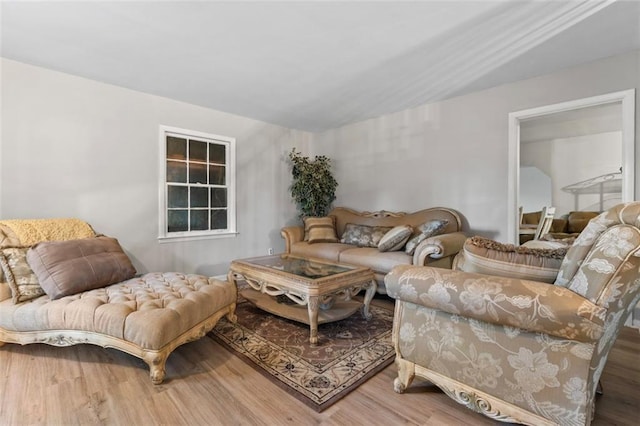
(348, 353)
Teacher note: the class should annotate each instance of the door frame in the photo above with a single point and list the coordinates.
(625, 97)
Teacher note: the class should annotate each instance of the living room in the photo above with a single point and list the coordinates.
(76, 132)
(76, 146)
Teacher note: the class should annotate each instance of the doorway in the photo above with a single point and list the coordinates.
(521, 124)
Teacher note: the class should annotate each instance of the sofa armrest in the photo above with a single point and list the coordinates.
(439, 246)
(528, 305)
(291, 235)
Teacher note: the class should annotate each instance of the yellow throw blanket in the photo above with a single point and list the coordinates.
(32, 231)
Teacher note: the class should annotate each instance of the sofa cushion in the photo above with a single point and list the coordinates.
(363, 235)
(372, 258)
(577, 221)
(396, 238)
(328, 251)
(485, 256)
(427, 229)
(150, 311)
(20, 277)
(320, 230)
(69, 267)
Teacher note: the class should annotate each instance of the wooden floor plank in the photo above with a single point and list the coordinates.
(207, 385)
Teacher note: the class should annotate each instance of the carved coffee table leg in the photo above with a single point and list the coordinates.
(368, 296)
(312, 307)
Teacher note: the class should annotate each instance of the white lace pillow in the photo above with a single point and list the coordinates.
(363, 235)
(396, 238)
(427, 229)
(19, 275)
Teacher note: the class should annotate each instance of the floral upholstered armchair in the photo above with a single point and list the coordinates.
(515, 345)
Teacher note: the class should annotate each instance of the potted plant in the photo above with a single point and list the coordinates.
(313, 187)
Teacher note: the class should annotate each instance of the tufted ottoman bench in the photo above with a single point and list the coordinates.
(147, 316)
(62, 284)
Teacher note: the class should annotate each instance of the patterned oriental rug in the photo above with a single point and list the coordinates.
(349, 351)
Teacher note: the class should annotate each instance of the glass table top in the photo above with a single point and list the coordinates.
(300, 266)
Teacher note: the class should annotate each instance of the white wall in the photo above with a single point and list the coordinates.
(567, 161)
(454, 153)
(535, 189)
(590, 156)
(76, 147)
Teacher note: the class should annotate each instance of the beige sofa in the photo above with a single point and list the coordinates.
(438, 250)
(62, 285)
(528, 341)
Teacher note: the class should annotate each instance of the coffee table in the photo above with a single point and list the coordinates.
(325, 288)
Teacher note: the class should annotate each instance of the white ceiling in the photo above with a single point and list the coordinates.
(314, 65)
(591, 120)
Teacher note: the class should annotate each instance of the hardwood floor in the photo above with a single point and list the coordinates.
(206, 385)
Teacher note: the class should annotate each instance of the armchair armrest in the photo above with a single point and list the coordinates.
(438, 246)
(291, 235)
(528, 305)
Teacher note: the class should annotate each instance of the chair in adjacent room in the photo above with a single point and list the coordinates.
(537, 230)
(528, 343)
(546, 219)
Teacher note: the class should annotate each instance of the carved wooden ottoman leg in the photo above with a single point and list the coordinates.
(406, 373)
(156, 362)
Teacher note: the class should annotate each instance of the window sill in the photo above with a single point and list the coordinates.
(182, 238)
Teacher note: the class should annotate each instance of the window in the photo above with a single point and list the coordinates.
(197, 196)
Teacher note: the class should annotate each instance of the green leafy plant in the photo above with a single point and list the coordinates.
(313, 188)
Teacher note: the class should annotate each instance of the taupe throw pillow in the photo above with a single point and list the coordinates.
(320, 230)
(69, 267)
(22, 281)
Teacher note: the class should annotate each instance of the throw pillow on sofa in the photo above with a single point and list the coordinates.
(74, 266)
(363, 235)
(427, 229)
(22, 281)
(320, 230)
(396, 238)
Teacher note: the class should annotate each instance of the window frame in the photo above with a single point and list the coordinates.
(230, 178)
